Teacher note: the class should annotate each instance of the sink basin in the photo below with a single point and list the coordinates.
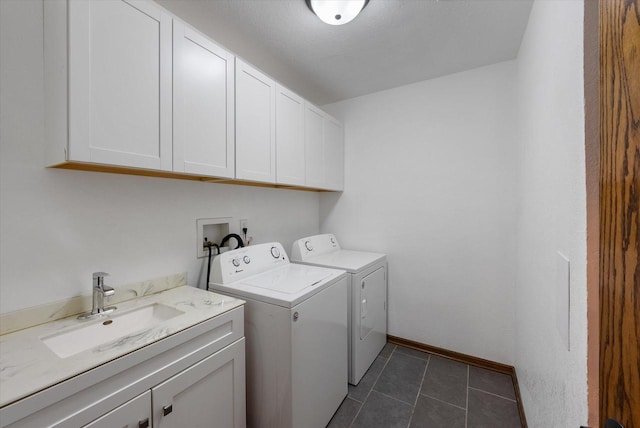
(105, 330)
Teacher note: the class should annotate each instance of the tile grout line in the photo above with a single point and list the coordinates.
(444, 402)
(374, 383)
(380, 374)
(394, 398)
(413, 408)
(386, 395)
(495, 395)
(426, 366)
(414, 357)
(356, 415)
(395, 350)
(466, 412)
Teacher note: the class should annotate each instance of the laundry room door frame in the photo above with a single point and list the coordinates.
(619, 213)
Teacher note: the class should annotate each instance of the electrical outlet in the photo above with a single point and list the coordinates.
(244, 224)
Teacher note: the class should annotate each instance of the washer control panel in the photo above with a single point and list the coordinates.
(243, 262)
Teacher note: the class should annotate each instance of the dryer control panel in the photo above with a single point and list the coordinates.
(243, 262)
(312, 246)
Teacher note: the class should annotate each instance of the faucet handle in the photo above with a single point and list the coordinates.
(98, 279)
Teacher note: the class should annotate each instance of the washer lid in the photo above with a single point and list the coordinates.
(289, 279)
(284, 286)
(349, 260)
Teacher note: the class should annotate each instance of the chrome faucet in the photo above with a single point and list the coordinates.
(100, 291)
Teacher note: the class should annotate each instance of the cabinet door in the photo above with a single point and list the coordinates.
(334, 153)
(120, 83)
(203, 101)
(255, 125)
(314, 146)
(135, 413)
(210, 393)
(290, 163)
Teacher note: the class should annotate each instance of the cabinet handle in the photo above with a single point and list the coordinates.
(167, 409)
(144, 424)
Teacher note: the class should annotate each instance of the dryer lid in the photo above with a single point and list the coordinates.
(351, 261)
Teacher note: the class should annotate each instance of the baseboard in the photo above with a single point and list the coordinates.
(467, 359)
(516, 388)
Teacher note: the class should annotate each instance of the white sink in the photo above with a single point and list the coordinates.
(105, 330)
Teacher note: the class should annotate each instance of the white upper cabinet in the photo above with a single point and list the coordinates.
(203, 105)
(119, 83)
(255, 125)
(314, 146)
(290, 163)
(334, 154)
(128, 87)
(324, 150)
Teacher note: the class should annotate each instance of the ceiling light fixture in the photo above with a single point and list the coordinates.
(336, 12)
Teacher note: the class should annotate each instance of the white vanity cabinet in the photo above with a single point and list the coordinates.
(255, 124)
(204, 395)
(193, 378)
(203, 105)
(290, 161)
(108, 78)
(135, 413)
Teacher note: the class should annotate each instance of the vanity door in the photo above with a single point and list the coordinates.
(210, 393)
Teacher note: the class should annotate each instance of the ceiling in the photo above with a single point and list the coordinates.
(391, 43)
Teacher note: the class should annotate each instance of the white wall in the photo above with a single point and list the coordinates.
(551, 214)
(430, 180)
(58, 226)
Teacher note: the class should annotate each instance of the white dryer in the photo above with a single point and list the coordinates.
(296, 335)
(367, 295)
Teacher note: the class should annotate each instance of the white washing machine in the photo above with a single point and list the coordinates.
(367, 295)
(296, 335)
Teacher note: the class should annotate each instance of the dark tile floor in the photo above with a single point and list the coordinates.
(406, 388)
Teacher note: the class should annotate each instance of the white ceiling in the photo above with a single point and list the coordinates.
(391, 43)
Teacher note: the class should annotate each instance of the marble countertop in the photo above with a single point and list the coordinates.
(27, 365)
